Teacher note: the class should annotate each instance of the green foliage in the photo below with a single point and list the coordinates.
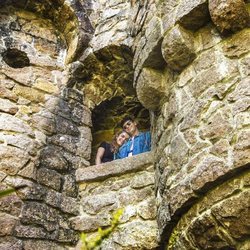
(11, 190)
(95, 242)
(173, 238)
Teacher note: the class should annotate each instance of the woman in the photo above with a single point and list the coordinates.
(106, 151)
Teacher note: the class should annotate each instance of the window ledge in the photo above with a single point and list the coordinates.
(114, 168)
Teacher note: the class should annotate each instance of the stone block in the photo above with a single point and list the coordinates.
(90, 224)
(220, 148)
(65, 126)
(137, 234)
(30, 94)
(241, 91)
(86, 133)
(28, 171)
(14, 124)
(44, 123)
(31, 232)
(7, 224)
(65, 141)
(241, 105)
(104, 171)
(21, 141)
(75, 161)
(74, 94)
(192, 14)
(206, 173)
(52, 157)
(180, 196)
(218, 126)
(178, 151)
(237, 45)
(94, 204)
(229, 15)
(12, 243)
(67, 236)
(241, 149)
(178, 48)
(53, 198)
(206, 233)
(132, 197)
(41, 244)
(39, 214)
(69, 205)
(245, 66)
(69, 185)
(83, 148)
(233, 214)
(45, 86)
(151, 88)
(25, 77)
(129, 213)
(58, 106)
(12, 159)
(8, 107)
(11, 204)
(142, 180)
(147, 209)
(33, 191)
(213, 75)
(6, 93)
(49, 178)
(81, 115)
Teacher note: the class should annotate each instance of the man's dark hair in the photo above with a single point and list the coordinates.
(125, 119)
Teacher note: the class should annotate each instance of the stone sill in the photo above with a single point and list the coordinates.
(114, 168)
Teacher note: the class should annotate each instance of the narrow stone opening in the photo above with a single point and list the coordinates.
(107, 115)
(15, 58)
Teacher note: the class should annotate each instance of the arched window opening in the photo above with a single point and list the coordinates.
(106, 118)
(15, 58)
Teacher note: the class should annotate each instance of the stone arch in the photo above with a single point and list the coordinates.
(105, 77)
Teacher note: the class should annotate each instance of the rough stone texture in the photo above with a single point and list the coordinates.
(178, 48)
(199, 115)
(36, 104)
(150, 88)
(192, 14)
(219, 220)
(229, 15)
(107, 187)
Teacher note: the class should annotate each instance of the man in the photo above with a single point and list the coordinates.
(139, 142)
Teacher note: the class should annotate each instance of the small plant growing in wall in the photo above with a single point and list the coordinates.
(95, 242)
(9, 191)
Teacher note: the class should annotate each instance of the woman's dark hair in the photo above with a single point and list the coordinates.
(114, 147)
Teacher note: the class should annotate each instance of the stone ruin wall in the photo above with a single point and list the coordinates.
(191, 62)
(127, 184)
(191, 72)
(44, 126)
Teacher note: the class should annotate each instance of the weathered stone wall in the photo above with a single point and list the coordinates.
(219, 220)
(193, 74)
(44, 127)
(127, 184)
(189, 64)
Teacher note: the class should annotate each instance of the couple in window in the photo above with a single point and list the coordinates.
(130, 141)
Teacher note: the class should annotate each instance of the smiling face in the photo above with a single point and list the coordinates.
(121, 138)
(130, 127)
